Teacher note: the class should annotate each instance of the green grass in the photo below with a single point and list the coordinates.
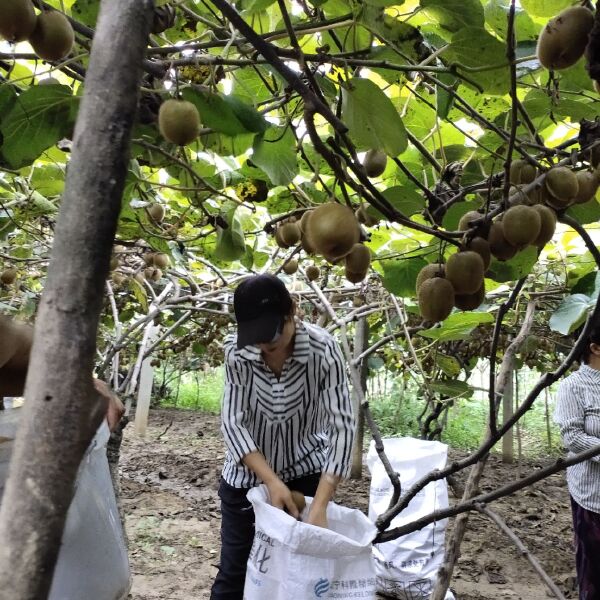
(197, 391)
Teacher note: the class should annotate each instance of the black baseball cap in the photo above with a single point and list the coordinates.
(260, 303)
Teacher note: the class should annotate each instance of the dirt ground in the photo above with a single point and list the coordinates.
(169, 483)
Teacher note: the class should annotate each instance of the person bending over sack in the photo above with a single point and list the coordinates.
(286, 417)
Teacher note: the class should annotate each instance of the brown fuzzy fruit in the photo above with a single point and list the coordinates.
(304, 220)
(358, 259)
(374, 163)
(499, 245)
(548, 225)
(179, 121)
(8, 276)
(53, 36)
(470, 301)
(364, 217)
(482, 247)
(17, 20)
(152, 274)
(118, 278)
(312, 272)
(588, 186)
(464, 270)
(291, 266)
(278, 239)
(465, 221)
(428, 272)
(307, 245)
(156, 212)
(521, 172)
(562, 42)
(521, 225)
(299, 500)
(436, 299)
(562, 186)
(289, 234)
(161, 260)
(148, 258)
(333, 230)
(354, 276)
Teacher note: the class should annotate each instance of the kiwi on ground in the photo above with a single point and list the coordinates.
(521, 225)
(547, 225)
(289, 233)
(428, 272)
(482, 247)
(364, 217)
(333, 230)
(178, 121)
(436, 299)
(588, 186)
(499, 245)
(8, 276)
(464, 270)
(374, 163)
(470, 301)
(290, 266)
(521, 172)
(312, 272)
(563, 40)
(358, 259)
(156, 212)
(562, 187)
(252, 190)
(17, 20)
(161, 260)
(52, 37)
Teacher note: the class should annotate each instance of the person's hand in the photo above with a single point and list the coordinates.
(114, 407)
(317, 515)
(281, 496)
(15, 346)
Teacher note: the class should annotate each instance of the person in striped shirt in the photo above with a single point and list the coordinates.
(578, 417)
(287, 419)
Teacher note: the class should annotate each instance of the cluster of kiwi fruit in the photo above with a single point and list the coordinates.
(179, 121)
(155, 262)
(8, 275)
(332, 231)
(50, 34)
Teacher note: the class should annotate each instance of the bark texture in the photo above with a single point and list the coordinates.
(62, 409)
(361, 343)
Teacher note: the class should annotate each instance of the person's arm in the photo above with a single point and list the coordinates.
(15, 346)
(570, 417)
(342, 425)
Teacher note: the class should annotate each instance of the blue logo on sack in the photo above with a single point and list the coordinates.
(321, 587)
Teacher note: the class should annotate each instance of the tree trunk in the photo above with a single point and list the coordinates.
(508, 442)
(62, 410)
(361, 343)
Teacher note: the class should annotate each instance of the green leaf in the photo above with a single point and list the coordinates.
(496, 16)
(585, 213)
(400, 275)
(404, 199)
(448, 364)
(86, 11)
(38, 119)
(455, 14)
(443, 99)
(275, 153)
(475, 47)
(458, 326)
(515, 268)
(571, 313)
(48, 179)
(139, 291)
(545, 8)
(372, 118)
(452, 388)
(230, 242)
(8, 97)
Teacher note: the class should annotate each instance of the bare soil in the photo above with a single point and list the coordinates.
(169, 492)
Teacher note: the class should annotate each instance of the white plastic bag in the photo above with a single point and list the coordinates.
(407, 567)
(293, 560)
(92, 562)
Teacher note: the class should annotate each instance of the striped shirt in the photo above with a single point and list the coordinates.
(303, 422)
(578, 417)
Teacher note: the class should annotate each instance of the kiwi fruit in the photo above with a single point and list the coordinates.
(464, 270)
(290, 266)
(429, 271)
(118, 278)
(499, 245)
(148, 258)
(374, 163)
(252, 190)
(8, 276)
(152, 274)
(49, 81)
(289, 234)
(564, 38)
(333, 230)
(178, 121)
(312, 272)
(161, 260)
(358, 259)
(304, 220)
(278, 239)
(547, 225)
(299, 500)
(354, 276)
(521, 225)
(307, 245)
(466, 220)
(156, 212)
(17, 20)
(364, 217)
(470, 301)
(358, 300)
(52, 37)
(562, 187)
(588, 185)
(521, 172)
(436, 299)
(482, 247)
